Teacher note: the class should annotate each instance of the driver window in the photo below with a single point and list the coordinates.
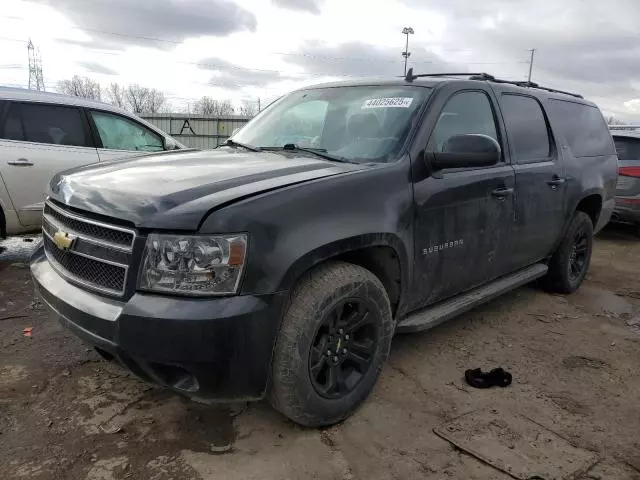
(465, 113)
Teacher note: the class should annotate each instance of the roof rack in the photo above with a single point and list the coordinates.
(410, 77)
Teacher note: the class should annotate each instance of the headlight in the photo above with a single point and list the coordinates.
(193, 264)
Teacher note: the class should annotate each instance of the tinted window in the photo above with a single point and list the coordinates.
(583, 127)
(527, 129)
(466, 112)
(13, 124)
(120, 133)
(53, 124)
(627, 148)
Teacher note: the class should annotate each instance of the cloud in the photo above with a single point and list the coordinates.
(358, 59)
(95, 67)
(633, 105)
(312, 6)
(587, 46)
(156, 23)
(229, 75)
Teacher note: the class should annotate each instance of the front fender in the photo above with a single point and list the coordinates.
(297, 227)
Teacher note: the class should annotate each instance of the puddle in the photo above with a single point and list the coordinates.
(18, 249)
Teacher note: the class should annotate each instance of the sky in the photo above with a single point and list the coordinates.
(250, 49)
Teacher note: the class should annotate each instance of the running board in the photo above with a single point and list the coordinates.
(443, 311)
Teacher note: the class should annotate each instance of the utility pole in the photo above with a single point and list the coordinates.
(533, 52)
(406, 54)
(36, 79)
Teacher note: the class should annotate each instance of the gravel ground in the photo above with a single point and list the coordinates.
(67, 414)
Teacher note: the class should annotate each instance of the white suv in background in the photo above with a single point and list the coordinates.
(42, 134)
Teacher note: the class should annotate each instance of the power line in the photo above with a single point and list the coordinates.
(294, 54)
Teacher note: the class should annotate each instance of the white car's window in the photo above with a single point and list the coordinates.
(13, 125)
(42, 123)
(120, 133)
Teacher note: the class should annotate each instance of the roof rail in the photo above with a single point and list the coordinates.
(488, 78)
(410, 77)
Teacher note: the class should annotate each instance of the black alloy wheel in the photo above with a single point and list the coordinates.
(343, 348)
(578, 256)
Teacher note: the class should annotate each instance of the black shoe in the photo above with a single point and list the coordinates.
(496, 377)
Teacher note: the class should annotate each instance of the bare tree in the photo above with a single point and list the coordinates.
(156, 101)
(140, 99)
(248, 108)
(80, 87)
(211, 107)
(115, 95)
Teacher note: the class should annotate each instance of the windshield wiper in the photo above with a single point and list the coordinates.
(320, 152)
(233, 143)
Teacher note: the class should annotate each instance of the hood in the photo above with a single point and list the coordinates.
(175, 190)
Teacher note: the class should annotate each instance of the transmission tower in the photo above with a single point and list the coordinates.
(36, 79)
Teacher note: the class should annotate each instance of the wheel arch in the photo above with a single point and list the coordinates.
(382, 254)
(591, 204)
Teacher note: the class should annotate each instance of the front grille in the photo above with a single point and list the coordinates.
(95, 230)
(94, 273)
(99, 257)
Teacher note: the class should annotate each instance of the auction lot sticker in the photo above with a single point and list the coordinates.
(391, 102)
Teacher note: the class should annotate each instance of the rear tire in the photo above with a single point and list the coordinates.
(333, 342)
(570, 263)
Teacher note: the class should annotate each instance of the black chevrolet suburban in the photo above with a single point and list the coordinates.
(281, 264)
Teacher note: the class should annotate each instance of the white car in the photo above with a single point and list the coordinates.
(42, 134)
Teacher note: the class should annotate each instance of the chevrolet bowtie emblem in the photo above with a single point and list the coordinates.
(63, 240)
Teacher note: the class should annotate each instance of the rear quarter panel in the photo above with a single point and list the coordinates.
(593, 175)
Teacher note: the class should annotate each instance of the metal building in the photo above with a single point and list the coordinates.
(197, 131)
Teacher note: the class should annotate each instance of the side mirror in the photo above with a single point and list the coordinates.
(467, 151)
(170, 143)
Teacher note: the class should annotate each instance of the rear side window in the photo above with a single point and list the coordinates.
(526, 128)
(12, 129)
(52, 124)
(627, 148)
(583, 127)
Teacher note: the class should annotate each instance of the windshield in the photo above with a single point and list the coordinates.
(358, 124)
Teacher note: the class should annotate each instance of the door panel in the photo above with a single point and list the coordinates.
(37, 141)
(540, 179)
(540, 211)
(463, 217)
(27, 183)
(462, 231)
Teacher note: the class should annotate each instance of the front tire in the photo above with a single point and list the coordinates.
(333, 342)
(569, 265)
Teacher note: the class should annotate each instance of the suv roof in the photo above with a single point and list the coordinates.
(23, 94)
(435, 79)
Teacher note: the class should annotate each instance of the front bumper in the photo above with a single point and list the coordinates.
(217, 348)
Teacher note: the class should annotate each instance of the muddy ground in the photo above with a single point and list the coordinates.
(67, 414)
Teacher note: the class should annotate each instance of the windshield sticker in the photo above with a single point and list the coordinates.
(392, 102)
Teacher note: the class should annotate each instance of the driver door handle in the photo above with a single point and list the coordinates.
(21, 162)
(502, 192)
(555, 181)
